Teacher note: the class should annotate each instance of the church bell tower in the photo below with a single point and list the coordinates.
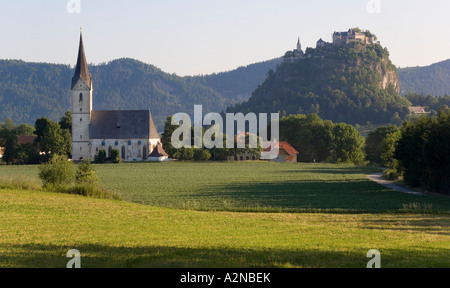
(81, 106)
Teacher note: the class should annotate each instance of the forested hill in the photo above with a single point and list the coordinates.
(29, 91)
(433, 79)
(355, 83)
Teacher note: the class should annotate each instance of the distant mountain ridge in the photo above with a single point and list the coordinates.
(29, 91)
(433, 79)
(32, 90)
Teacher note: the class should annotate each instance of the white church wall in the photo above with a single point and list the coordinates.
(133, 152)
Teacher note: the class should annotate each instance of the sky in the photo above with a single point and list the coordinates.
(194, 37)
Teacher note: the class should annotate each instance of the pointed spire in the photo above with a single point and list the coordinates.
(82, 71)
(299, 45)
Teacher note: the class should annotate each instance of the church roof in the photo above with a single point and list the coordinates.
(122, 125)
(158, 152)
(81, 70)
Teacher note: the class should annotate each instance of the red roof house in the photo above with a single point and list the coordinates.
(286, 153)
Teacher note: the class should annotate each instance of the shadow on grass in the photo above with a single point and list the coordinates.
(430, 224)
(102, 256)
(345, 196)
(337, 171)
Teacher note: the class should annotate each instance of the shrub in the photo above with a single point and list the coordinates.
(100, 158)
(391, 174)
(184, 154)
(86, 174)
(115, 156)
(94, 191)
(58, 173)
(201, 155)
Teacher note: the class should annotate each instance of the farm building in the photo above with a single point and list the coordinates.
(287, 153)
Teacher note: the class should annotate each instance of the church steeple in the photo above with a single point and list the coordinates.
(82, 71)
(299, 45)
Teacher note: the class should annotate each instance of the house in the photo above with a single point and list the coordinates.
(418, 110)
(26, 139)
(241, 154)
(320, 43)
(286, 154)
(133, 133)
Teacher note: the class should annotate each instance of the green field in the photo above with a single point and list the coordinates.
(38, 228)
(198, 216)
(253, 187)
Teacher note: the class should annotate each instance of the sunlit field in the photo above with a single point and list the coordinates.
(224, 215)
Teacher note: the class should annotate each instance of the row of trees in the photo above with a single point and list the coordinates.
(419, 151)
(52, 138)
(203, 154)
(317, 140)
(430, 102)
(320, 140)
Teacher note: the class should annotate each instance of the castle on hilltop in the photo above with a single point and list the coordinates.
(339, 38)
(343, 38)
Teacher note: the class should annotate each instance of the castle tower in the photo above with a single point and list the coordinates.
(299, 45)
(81, 106)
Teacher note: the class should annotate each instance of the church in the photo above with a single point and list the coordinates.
(133, 133)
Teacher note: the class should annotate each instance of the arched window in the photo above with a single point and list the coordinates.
(109, 151)
(144, 152)
(129, 143)
(81, 97)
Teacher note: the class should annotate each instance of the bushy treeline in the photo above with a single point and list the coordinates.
(320, 140)
(423, 152)
(52, 138)
(419, 151)
(202, 153)
(317, 140)
(430, 102)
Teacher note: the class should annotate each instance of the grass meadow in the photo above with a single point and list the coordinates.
(223, 215)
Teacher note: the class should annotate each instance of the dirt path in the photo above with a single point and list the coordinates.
(390, 184)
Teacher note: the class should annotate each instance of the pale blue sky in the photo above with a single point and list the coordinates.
(193, 37)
